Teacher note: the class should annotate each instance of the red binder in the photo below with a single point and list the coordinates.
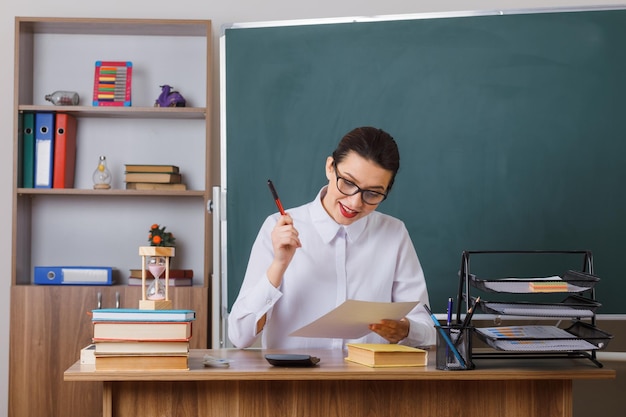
(64, 151)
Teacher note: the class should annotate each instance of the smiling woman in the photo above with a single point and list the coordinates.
(290, 282)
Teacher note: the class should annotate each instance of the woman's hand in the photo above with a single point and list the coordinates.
(285, 241)
(392, 330)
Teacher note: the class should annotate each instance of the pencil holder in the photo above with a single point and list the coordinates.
(454, 348)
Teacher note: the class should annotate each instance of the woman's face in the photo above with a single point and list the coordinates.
(363, 173)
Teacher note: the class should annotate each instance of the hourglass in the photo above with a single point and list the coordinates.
(157, 260)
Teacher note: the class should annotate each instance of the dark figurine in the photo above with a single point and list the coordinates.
(169, 98)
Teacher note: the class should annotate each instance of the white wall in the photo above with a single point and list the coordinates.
(221, 13)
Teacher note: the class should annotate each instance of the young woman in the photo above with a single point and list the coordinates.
(337, 247)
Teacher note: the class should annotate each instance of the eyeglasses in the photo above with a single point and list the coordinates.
(347, 187)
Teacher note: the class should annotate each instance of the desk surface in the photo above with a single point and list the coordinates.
(250, 365)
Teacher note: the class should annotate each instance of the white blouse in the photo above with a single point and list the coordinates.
(372, 259)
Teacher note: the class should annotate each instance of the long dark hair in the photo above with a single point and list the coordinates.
(373, 144)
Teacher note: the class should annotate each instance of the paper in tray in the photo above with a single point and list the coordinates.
(573, 306)
(578, 337)
(570, 282)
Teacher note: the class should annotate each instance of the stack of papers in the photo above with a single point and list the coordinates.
(533, 338)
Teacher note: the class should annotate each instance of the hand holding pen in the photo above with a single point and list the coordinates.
(276, 199)
(285, 241)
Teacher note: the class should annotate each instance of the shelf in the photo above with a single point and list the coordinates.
(572, 307)
(569, 282)
(82, 226)
(129, 27)
(578, 337)
(122, 112)
(108, 193)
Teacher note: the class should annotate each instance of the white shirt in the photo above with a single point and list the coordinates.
(372, 259)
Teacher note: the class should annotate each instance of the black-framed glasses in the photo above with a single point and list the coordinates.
(347, 187)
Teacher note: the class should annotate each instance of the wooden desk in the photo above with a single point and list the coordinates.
(252, 387)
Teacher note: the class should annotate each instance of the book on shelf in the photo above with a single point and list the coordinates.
(386, 355)
(152, 186)
(151, 168)
(135, 330)
(174, 273)
(88, 354)
(172, 282)
(142, 362)
(146, 348)
(137, 315)
(154, 177)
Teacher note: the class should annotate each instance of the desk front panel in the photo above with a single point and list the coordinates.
(350, 398)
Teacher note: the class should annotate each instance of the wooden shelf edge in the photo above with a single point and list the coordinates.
(113, 26)
(114, 192)
(121, 112)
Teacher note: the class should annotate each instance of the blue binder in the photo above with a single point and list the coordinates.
(73, 275)
(44, 149)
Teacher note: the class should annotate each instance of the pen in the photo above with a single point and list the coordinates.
(470, 313)
(449, 318)
(445, 336)
(276, 199)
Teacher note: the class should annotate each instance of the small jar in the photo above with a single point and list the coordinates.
(63, 98)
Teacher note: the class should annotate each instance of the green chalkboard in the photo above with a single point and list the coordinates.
(511, 128)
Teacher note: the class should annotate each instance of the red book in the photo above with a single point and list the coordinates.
(64, 164)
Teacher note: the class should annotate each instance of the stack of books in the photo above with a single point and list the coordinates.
(153, 177)
(178, 277)
(132, 339)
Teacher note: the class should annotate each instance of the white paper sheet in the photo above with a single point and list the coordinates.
(351, 319)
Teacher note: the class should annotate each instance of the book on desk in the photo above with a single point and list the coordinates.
(386, 355)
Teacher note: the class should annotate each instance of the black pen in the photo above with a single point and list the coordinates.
(276, 199)
(470, 313)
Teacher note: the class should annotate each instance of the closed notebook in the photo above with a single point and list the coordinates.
(108, 330)
(151, 168)
(157, 177)
(142, 348)
(142, 363)
(386, 355)
(172, 282)
(138, 315)
(155, 186)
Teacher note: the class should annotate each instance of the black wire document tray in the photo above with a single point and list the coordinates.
(574, 306)
(570, 282)
(578, 337)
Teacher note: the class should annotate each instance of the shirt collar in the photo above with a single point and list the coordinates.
(327, 227)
